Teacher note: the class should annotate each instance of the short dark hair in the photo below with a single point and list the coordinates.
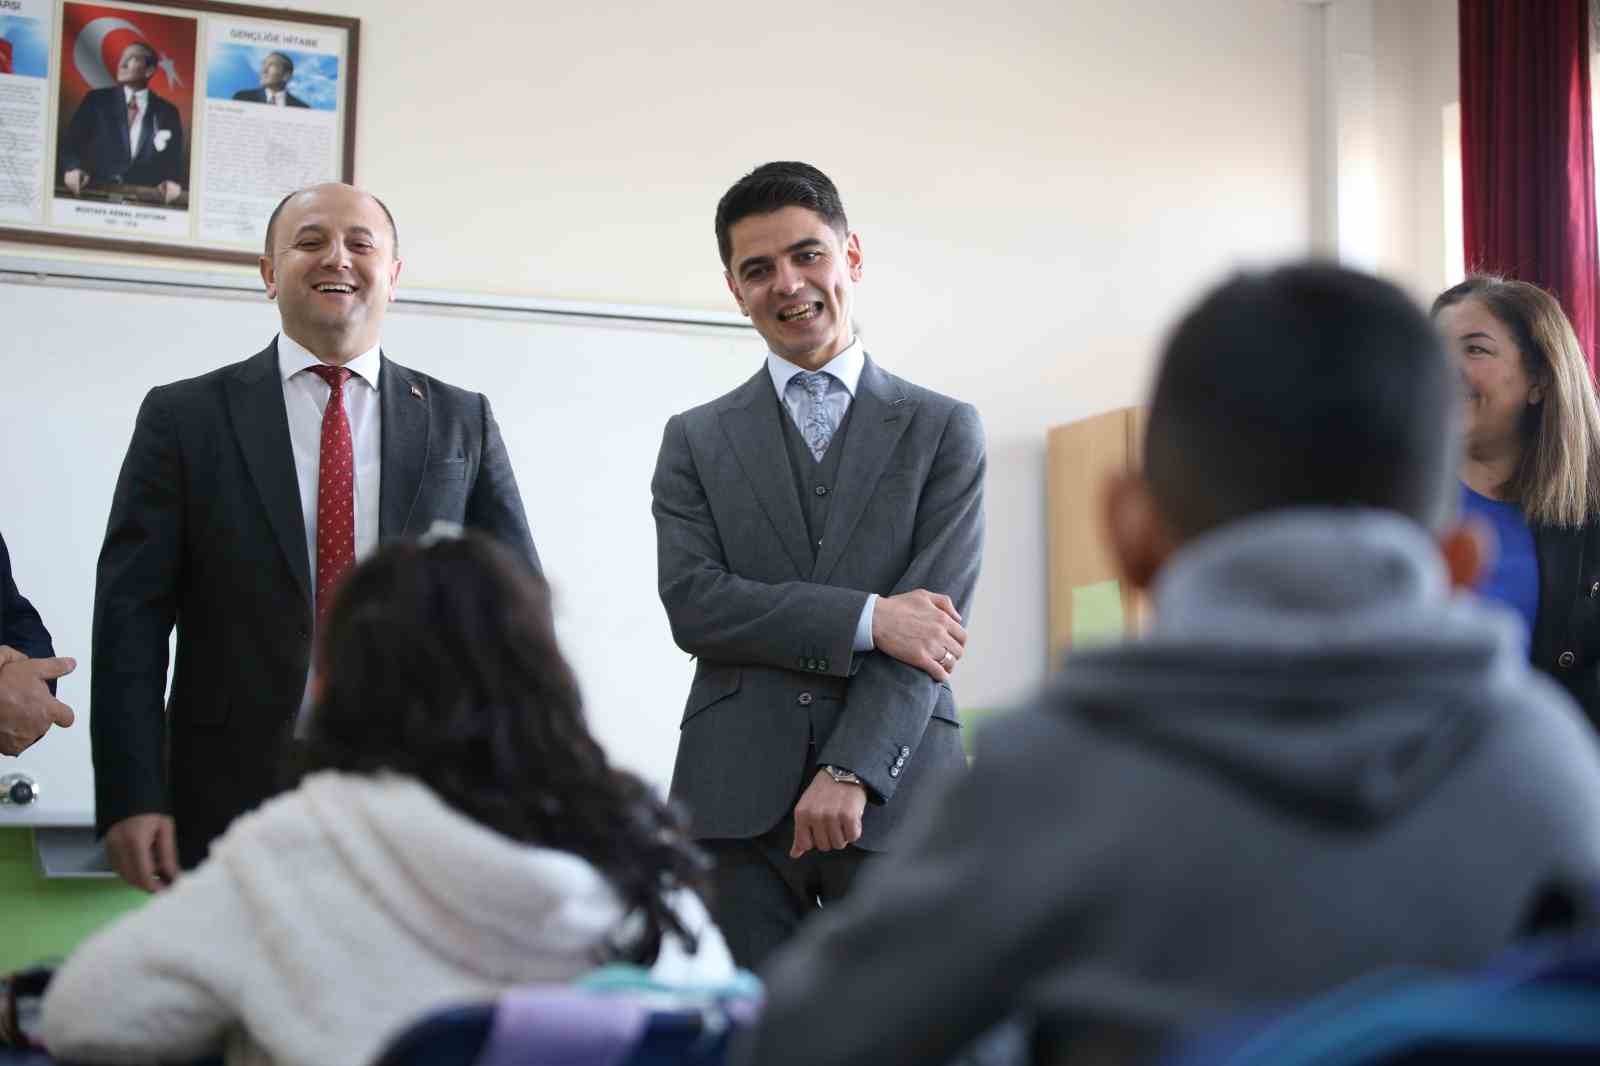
(773, 186)
(272, 220)
(288, 62)
(440, 662)
(1310, 385)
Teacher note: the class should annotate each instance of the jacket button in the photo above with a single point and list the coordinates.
(821, 490)
(822, 664)
(811, 664)
(904, 750)
(901, 761)
(894, 771)
(1594, 590)
(1566, 659)
(804, 699)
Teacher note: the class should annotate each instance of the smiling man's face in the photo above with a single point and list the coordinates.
(795, 277)
(332, 270)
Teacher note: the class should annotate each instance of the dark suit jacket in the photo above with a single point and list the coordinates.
(206, 532)
(97, 141)
(1566, 633)
(20, 625)
(773, 626)
(259, 96)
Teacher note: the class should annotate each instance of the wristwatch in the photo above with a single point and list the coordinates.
(841, 775)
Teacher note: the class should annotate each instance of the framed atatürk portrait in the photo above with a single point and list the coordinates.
(170, 128)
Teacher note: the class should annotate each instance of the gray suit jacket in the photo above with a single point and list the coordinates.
(206, 532)
(772, 625)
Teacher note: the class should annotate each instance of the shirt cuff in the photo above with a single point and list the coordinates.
(863, 641)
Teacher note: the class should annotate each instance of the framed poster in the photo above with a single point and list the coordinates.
(167, 128)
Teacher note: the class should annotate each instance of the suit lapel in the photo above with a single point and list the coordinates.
(116, 115)
(751, 424)
(879, 414)
(255, 405)
(404, 402)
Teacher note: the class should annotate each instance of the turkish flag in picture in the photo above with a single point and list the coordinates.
(94, 36)
(5, 56)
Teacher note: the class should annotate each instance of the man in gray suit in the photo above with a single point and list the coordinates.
(245, 495)
(818, 531)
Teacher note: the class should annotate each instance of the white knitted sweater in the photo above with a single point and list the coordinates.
(333, 917)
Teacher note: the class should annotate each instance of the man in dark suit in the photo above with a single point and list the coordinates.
(819, 531)
(126, 134)
(276, 70)
(245, 495)
(28, 669)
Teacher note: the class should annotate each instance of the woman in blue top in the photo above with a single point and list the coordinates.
(1532, 468)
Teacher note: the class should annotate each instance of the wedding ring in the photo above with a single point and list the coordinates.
(948, 661)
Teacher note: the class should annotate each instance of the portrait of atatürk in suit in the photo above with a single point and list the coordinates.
(276, 70)
(124, 107)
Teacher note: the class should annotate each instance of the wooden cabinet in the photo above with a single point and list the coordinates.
(1087, 602)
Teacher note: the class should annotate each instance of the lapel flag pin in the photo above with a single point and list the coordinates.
(416, 392)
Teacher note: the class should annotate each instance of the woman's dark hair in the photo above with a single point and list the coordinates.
(440, 662)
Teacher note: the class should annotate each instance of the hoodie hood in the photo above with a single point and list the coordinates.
(480, 900)
(1315, 656)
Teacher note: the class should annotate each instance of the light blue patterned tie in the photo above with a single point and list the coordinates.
(816, 425)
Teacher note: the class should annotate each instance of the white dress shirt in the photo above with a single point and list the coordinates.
(136, 131)
(275, 97)
(844, 373)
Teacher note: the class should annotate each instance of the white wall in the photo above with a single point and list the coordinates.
(1418, 64)
(1039, 187)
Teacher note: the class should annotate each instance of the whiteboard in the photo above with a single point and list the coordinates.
(581, 393)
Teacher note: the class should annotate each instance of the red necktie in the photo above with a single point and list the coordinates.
(336, 496)
(133, 119)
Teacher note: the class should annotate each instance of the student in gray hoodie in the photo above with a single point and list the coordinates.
(1319, 761)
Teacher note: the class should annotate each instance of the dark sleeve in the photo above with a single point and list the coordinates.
(135, 606)
(79, 131)
(495, 504)
(889, 699)
(242, 94)
(23, 628)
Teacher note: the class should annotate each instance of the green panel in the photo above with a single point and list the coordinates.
(45, 918)
(1097, 613)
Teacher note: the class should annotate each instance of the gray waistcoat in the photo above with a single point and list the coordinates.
(815, 482)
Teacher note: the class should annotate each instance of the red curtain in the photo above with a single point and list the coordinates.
(1527, 150)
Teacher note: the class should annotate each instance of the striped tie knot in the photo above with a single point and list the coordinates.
(815, 383)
